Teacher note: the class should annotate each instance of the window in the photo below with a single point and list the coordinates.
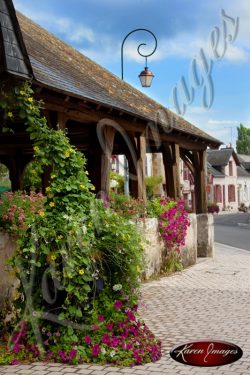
(231, 193)
(230, 168)
(217, 194)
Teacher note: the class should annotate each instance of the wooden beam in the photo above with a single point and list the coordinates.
(200, 181)
(171, 160)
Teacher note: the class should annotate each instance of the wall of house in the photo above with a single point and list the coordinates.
(244, 191)
(227, 203)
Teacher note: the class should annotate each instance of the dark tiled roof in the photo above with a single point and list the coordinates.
(61, 67)
(241, 172)
(214, 171)
(220, 158)
(13, 55)
(244, 161)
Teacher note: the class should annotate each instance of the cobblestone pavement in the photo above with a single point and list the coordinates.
(207, 301)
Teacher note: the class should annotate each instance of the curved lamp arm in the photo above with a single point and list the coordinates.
(138, 48)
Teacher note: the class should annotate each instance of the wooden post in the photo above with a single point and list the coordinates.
(171, 161)
(200, 181)
(137, 166)
(109, 135)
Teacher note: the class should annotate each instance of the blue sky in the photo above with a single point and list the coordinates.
(182, 28)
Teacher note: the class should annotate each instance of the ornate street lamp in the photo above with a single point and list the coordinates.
(146, 76)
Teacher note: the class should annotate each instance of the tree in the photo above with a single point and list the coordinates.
(243, 141)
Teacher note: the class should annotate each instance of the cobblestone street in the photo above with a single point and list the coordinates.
(207, 301)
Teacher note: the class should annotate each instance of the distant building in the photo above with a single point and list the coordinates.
(222, 165)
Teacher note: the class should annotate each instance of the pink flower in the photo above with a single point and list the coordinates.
(72, 354)
(118, 305)
(96, 350)
(15, 362)
(101, 318)
(110, 326)
(95, 327)
(16, 348)
(106, 338)
(88, 340)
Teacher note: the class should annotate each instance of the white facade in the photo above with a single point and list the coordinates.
(225, 188)
(244, 190)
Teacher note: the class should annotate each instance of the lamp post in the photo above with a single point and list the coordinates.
(146, 76)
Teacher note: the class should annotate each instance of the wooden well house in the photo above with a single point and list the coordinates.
(103, 115)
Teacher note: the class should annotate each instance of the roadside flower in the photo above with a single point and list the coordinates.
(53, 257)
(112, 353)
(48, 188)
(101, 318)
(52, 204)
(60, 237)
(30, 100)
(50, 195)
(96, 350)
(81, 271)
(118, 305)
(88, 340)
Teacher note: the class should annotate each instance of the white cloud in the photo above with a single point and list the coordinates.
(66, 26)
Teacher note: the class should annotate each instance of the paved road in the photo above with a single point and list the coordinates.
(207, 301)
(229, 232)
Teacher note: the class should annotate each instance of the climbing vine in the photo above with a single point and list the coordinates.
(78, 262)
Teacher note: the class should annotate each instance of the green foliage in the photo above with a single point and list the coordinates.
(4, 179)
(75, 259)
(128, 207)
(172, 262)
(155, 208)
(243, 141)
(151, 183)
(31, 181)
(119, 180)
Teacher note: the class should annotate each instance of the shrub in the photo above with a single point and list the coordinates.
(78, 262)
(151, 183)
(212, 208)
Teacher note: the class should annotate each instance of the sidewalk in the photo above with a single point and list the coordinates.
(208, 301)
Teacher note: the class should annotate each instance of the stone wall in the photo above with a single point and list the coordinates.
(7, 281)
(154, 252)
(205, 235)
(189, 250)
(199, 242)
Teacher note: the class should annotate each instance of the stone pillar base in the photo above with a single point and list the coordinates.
(205, 235)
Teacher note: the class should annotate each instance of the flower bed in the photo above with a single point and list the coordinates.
(78, 263)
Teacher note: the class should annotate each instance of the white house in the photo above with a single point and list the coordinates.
(244, 180)
(223, 167)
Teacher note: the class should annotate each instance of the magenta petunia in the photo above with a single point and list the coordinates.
(117, 305)
(88, 340)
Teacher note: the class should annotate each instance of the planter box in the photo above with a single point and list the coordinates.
(154, 253)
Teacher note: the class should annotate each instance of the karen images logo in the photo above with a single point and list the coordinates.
(206, 353)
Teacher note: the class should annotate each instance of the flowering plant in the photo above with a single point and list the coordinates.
(17, 210)
(78, 263)
(173, 223)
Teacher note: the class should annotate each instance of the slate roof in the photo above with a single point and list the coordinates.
(59, 66)
(220, 158)
(214, 171)
(13, 55)
(241, 172)
(244, 161)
